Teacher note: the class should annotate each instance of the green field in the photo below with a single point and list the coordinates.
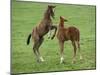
(26, 15)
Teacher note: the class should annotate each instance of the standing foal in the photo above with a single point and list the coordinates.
(65, 34)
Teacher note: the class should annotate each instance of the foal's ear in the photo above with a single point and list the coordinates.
(60, 17)
(53, 6)
(48, 5)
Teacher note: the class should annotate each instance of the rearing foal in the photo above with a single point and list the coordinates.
(42, 29)
(65, 34)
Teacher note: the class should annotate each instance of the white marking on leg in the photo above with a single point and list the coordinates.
(73, 61)
(41, 58)
(61, 60)
(49, 34)
(81, 57)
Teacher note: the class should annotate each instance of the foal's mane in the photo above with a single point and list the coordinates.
(47, 13)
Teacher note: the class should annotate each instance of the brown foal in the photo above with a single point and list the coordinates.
(42, 29)
(65, 34)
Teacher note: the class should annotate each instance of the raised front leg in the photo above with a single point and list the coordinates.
(51, 28)
(54, 27)
(49, 34)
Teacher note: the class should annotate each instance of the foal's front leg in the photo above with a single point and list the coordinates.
(54, 27)
(61, 44)
(51, 28)
(49, 34)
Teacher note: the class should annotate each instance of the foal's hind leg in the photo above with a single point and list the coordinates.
(35, 50)
(39, 44)
(78, 44)
(74, 56)
(36, 46)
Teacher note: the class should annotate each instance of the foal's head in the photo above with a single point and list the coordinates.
(51, 10)
(62, 20)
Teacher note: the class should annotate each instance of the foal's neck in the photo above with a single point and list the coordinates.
(47, 15)
(61, 24)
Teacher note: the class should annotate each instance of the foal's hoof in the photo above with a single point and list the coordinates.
(81, 57)
(42, 60)
(62, 62)
(74, 61)
(39, 61)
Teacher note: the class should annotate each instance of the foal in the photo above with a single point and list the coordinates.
(65, 34)
(42, 29)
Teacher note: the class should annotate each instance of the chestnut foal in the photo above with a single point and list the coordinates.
(65, 34)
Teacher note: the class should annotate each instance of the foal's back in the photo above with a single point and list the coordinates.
(69, 33)
(72, 33)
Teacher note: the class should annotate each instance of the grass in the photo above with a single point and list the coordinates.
(26, 15)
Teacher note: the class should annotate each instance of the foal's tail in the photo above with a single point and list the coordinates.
(28, 39)
(78, 36)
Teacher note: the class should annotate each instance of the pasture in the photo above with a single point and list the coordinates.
(26, 15)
